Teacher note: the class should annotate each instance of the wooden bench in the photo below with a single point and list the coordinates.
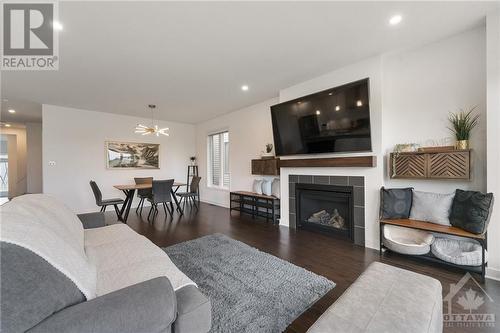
(255, 204)
(442, 229)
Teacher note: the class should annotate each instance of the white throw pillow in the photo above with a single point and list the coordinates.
(275, 188)
(266, 187)
(257, 186)
(431, 207)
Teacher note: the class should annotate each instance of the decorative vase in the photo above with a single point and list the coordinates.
(265, 156)
(462, 144)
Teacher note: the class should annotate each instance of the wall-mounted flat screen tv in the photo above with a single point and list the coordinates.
(330, 121)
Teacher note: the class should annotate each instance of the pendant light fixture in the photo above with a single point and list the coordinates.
(153, 129)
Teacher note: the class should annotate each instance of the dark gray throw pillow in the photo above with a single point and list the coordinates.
(470, 210)
(395, 203)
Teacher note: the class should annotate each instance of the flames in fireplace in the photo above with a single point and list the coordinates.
(333, 219)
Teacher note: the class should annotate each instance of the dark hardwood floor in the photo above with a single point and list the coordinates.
(338, 260)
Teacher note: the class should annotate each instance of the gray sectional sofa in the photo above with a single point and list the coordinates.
(133, 291)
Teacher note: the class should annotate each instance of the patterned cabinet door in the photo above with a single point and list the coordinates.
(453, 165)
(408, 166)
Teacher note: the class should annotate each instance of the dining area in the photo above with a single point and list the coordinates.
(158, 194)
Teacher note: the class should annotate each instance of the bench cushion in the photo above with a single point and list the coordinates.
(386, 299)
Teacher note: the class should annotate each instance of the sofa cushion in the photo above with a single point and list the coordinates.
(395, 203)
(431, 207)
(123, 258)
(470, 211)
(31, 289)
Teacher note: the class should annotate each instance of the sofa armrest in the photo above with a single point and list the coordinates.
(92, 220)
(194, 311)
(148, 307)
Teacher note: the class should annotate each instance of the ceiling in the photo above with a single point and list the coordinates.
(192, 58)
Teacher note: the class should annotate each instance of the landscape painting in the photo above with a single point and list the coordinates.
(132, 155)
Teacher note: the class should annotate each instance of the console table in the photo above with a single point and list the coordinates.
(255, 204)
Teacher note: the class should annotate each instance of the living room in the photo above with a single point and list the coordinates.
(154, 97)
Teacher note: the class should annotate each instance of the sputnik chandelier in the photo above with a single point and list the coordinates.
(153, 129)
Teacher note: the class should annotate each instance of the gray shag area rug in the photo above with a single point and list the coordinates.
(250, 291)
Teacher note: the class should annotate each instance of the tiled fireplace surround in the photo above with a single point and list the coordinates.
(358, 184)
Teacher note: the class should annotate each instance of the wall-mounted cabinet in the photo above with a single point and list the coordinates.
(453, 164)
(266, 167)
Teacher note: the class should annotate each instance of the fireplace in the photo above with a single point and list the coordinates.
(325, 208)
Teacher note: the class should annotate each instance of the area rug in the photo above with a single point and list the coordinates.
(250, 291)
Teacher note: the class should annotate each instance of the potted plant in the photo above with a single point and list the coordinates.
(462, 124)
(269, 151)
(193, 160)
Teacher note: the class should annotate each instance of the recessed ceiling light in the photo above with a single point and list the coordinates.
(12, 111)
(318, 112)
(244, 87)
(337, 108)
(359, 103)
(7, 125)
(396, 19)
(57, 26)
(330, 94)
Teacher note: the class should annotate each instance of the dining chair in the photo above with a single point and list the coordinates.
(194, 193)
(161, 194)
(143, 194)
(106, 202)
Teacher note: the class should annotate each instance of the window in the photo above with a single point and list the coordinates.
(218, 161)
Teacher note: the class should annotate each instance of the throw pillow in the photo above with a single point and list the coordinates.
(257, 186)
(266, 187)
(470, 210)
(431, 207)
(395, 203)
(275, 188)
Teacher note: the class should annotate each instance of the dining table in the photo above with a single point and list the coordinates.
(129, 191)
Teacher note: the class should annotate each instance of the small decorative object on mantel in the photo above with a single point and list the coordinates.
(268, 153)
(193, 160)
(462, 124)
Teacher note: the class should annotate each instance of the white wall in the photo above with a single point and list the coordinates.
(421, 88)
(493, 132)
(249, 132)
(75, 139)
(34, 157)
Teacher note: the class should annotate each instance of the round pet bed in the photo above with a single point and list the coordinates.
(458, 252)
(406, 240)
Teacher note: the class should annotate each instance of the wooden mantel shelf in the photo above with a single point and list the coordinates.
(336, 162)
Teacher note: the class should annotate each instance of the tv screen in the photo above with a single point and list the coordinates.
(330, 121)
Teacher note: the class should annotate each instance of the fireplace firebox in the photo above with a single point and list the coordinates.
(325, 208)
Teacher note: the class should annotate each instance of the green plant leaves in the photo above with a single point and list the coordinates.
(463, 122)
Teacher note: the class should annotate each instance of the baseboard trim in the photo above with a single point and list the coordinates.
(493, 273)
(214, 203)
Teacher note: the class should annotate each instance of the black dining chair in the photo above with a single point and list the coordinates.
(193, 196)
(143, 194)
(161, 194)
(106, 202)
